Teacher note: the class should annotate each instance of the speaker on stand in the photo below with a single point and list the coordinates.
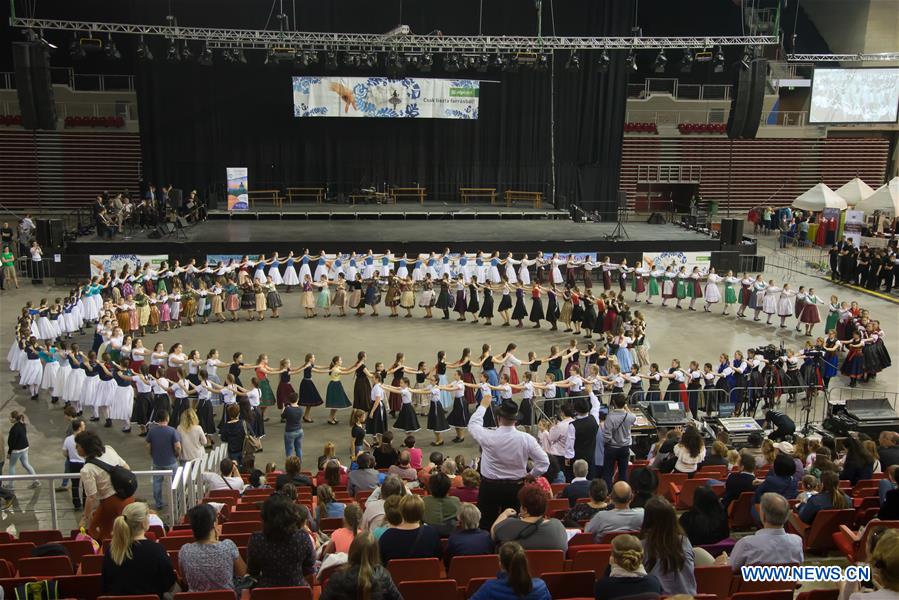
(739, 104)
(621, 211)
(33, 86)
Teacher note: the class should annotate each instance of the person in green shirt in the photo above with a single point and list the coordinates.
(8, 261)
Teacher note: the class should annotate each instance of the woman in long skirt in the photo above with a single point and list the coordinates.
(437, 422)
(487, 306)
(519, 313)
(335, 396)
(285, 388)
(464, 363)
(362, 385)
(854, 363)
(473, 305)
(290, 273)
(272, 297)
(376, 421)
(204, 409)
(309, 395)
(440, 370)
(460, 304)
(730, 291)
(459, 416)
(266, 396)
(654, 290)
(406, 420)
(308, 297)
(537, 314)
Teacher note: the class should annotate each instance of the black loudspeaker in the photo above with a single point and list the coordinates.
(736, 231)
(756, 97)
(182, 222)
(725, 232)
(622, 199)
(49, 234)
(175, 198)
(723, 262)
(656, 219)
(739, 103)
(33, 85)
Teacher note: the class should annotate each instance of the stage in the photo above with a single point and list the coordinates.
(401, 211)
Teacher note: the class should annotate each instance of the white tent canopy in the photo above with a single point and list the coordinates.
(818, 198)
(854, 191)
(885, 199)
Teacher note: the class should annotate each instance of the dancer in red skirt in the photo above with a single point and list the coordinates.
(810, 315)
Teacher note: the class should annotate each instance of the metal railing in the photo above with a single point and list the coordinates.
(126, 110)
(674, 118)
(841, 394)
(83, 82)
(668, 173)
(784, 118)
(682, 91)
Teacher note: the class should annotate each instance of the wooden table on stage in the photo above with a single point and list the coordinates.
(467, 193)
(374, 197)
(513, 195)
(306, 192)
(273, 196)
(408, 192)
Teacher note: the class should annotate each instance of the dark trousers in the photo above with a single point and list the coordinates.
(495, 496)
(779, 435)
(611, 456)
(77, 495)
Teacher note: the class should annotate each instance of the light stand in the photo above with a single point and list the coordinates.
(619, 232)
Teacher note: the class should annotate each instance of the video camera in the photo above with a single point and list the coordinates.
(770, 352)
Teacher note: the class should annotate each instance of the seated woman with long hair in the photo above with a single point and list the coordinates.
(135, 565)
(281, 554)
(328, 507)
(667, 552)
(209, 563)
(706, 522)
(363, 577)
(830, 497)
(627, 576)
(515, 581)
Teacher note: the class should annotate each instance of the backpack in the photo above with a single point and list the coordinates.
(38, 590)
(124, 482)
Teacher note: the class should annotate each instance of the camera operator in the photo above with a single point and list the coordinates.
(784, 426)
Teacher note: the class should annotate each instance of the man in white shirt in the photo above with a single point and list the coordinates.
(771, 545)
(228, 477)
(374, 509)
(621, 518)
(74, 461)
(505, 452)
(555, 442)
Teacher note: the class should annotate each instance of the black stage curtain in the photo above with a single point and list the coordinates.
(197, 121)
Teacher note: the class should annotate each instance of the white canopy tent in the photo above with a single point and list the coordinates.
(854, 191)
(884, 199)
(818, 198)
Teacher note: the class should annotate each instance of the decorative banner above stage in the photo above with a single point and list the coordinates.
(409, 98)
(238, 188)
(104, 263)
(676, 260)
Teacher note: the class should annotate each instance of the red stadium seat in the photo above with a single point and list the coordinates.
(414, 569)
(463, 568)
(92, 563)
(7, 569)
(174, 542)
(611, 535)
(818, 537)
(555, 505)
(45, 566)
(41, 536)
(82, 587)
(570, 584)
(581, 539)
(739, 585)
(241, 527)
(718, 472)
(214, 595)
(11, 583)
(714, 580)
(739, 512)
(14, 552)
(682, 494)
(330, 524)
(664, 489)
(772, 595)
(474, 584)
(437, 589)
(282, 593)
(6, 537)
(143, 597)
(545, 561)
(854, 546)
(223, 494)
(592, 560)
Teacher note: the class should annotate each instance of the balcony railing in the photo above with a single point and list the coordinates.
(81, 82)
(681, 91)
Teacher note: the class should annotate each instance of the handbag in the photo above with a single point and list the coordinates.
(251, 443)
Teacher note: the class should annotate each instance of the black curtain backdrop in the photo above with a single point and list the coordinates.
(197, 121)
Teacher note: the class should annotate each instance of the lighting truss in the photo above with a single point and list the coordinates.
(882, 56)
(261, 38)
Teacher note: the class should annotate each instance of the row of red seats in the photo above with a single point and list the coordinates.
(640, 128)
(110, 122)
(687, 128)
(10, 120)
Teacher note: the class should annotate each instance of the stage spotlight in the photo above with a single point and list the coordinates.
(574, 62)
(112, 53)
(451, 63)
(186, 54)
(498, 61)
(239, 55)
(686, 61)
(205, 58)
(143, 50)
(269, 57)
(331, 60)
(426, 62)
(542, 62)
(631, 61)
(371, 60)
(75, 49)
(510, 64)
(604, 60)
(661, 62)
(747, 57)
(719, 60)
(171, 53)
(483, 63)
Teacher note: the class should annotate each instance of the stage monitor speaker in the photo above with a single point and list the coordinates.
(759, 71)
(49, 234)
(739, 103)
(33, 85)
(622, 199)
(726, 231)
(723, 262)
(656, 219)
(736, 231)
(182, 222)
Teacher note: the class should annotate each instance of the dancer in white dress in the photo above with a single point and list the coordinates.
(785, 305)
(712, 291)
(769, 301)
(274, 271)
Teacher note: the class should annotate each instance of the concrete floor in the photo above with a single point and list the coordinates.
(682, 334)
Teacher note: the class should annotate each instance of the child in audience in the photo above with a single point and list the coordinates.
(809, 487)
(414, 453)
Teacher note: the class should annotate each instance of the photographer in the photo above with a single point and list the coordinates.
(784, 426)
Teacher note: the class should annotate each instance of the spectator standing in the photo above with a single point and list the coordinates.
(668, 553)
(209, 563)
(7, 236)
(627, 577)
(292, 415)
(164, 443)
(37, 265)
(134, 565)
(528, 526)
(469, 539)
(102, 505)
(8, 262)
(74, 462)
(554, 440)
(514, 581)
(363, 576)
(26, 234)
(233, 432)
(621, 518)
(282, 553)
(505, 452)
(193, 438)
(582, 432)
(617, 439)
(17, 445)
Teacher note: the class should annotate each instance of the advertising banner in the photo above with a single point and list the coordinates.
(104, 263)
(676, 260)
(380, 97)
(238, 196)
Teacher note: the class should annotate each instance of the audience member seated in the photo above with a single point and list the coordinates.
(362, 576)
(754, 448)
(888, 449)
(468, 491)
(392, 517)
(514, 582)
(450, 469)
(888, 483)
(889, 495)
(741, 481)
(808, 487)
(402, 468)
(784, 447)
(414, 453)
(469, 539)
(328, 507)
(412, 538)
(134, 565)
(292, 474)
(668, 553)
(435, 461)
(871, 448)
(690, 451)
(374, 509)
(343, 537)
(884, 569)
(830, 497)
(384, 453)
(528, 526)
(332, 473)
(441, 511)
(598, 495)
(228, 477)
(281, 554)
(859, 464)
(579, 486)
(643, 482)
(329, 453)
(717, 457)
(209, 563)
(627, 575)
(364, 478)
(706, 522)
(621, 518)
(779, 480)
(770, 545)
